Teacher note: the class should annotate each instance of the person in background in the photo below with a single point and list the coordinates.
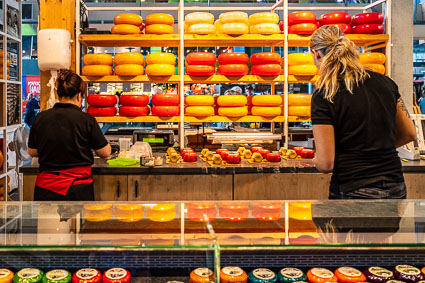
(63, 139)
(359, 119)
(249, 90)
(32, 105)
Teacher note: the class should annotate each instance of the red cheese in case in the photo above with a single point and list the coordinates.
(188, 149)
(367, 18)
(134, 100)
(87, 275)
(134, 111)
(233, 58)
(266, 70)
(190, 157)
(232, 205)
(264, 152)
(273, 157)
(335, 18)
(116, 275)
(224, 154)
(201, 215)
(266, 214)
(233, 158)
(281, 25)
(267, 205)
(166, 100)
(368, 29)
(255, 149)
(265, 58)
(234, 214)
(306, 28)
(200, 70)
(298, 150)
(201, 58)
(165, 111)
(233, 70)
(101, 111)
(220, 150)
(302, 18)
(345, 28)
(307, 153)
(101, 100)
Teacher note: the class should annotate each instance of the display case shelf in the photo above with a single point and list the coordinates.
(140, 119)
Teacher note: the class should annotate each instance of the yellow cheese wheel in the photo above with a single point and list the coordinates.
(209, 155)
(97, 70)
(372, 58)
(247, 154)
(199, 111)
(97, 59)
(163, 206)
(161, 216)
(299, 99)
(125, 29)
(233, 111)
(217, 25)
(128, 18)
(217, 160)
(199, 18)
(129, 212)
(159, 29)
(301, 111)
(283, 150)
(300, 59)
(266, 111)
(263, 18)
(174, 157)
(257, 157)
(129, 70)
(160, 70)
(376, 68)
(97, 212)
(159, 18)
(303, 70)
(264, 29)
(234, 17)
(266, 100)
(201, 29)
(161, 58)
(129, 58)
(234, 28)
(291, 154)
(199, 100)
(232, 100)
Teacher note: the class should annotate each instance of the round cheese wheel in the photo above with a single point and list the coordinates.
(233, 70)
(129, 212)
(266, 214)
(301, 111)
(266, 111)
(407, 273)
(378, 68)
(300, 59)
(159, 29)
(6, 276)
(230, 274)
(161, 58)
(367, 18)
(164, 206)
(376, 274)
(116, 275)
(234, 28)
(234, 205)
(303, 70)
(349, 275)
(101, 111)
(345, 28)
(234, 214)
(321, 275)
(372, 58)
(28, 275)
(201, 214)
(264, 29)
(234, 17)
(128, 18)
(233, 111)
(101, 99)
(133, 111)
(87, 275)
(129, 58)
(166, 100)
(199, 111)
(265, 58)
(125, 29)
(265, 204)
(97, 212)
(199, 18)
(305, 28)
(201, 275)
(160, 70)
(266, 100)
(368, 29)
(266, 70)
(161, 215)
(302, 18)
(290, 274)
(299, 99)
(201, 29)
(233, 58)
(300, 211)
(57, 276)
(159, 18)
(262, 275)
(201, 58)
(199, 100)
(232, 100)
(335, 18)
(201, 205)
(134, 100)
(200, 70)
(165, 111)
(129, 70)
(97, 70)
(263, 18)
(97, 59)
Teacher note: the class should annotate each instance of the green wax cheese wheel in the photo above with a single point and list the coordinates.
(262, 275)
(57, 276)
(28, 275)
(291, 274)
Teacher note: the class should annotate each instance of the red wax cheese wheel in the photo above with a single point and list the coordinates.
(200, 70)
(233, 158)
(368, 29)
(233, 58)
(349, 275)
(201, 214)
(166, 100)
(273, 157)
(302, 18)
(367, 18)
(264, 152)
(266, 70)
(165, 111)
(201, 205)
(306, 28)
(220, 150)
(345, 28)
(255, 149)
(233, 274)
(129, 58)
(159, 18)
(233, 205)
(128, 18)
(266, 214)
(87, 275)
(265, 58)
(321, 275)
(125, 29)
(335, 18)
(133, 111)
(101, 111)
(101, 99)
(201, 275)
(265, 204)
(134, 100)
(201, 58)
(234, 214)
(116, 275)
(233, 70)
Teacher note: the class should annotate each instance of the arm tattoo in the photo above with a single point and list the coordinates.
(403, 107)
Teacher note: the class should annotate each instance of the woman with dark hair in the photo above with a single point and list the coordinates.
(63, 138)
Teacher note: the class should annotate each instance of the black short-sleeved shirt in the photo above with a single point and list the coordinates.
(64, 137)
(364, 125)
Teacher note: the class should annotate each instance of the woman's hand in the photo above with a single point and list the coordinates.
(405, 129)
(324, 139)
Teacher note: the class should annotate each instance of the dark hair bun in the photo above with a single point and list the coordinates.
(69, 84)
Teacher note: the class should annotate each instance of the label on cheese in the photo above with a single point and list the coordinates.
(292, 273)
(57, 274)
(349, 271)
(232, 271)
(86, 273)
(263, 273)
(381, 272)
(408, 269)
(398, 281)
(115, 273)
(4, 273)
(29, 273)
(203, 272)
(322, 273)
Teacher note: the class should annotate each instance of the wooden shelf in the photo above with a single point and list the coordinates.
(141, 119)
(295, 40)
(233, 79)
(136, 79)
(194, 40)
(249, 118)
(134, 40)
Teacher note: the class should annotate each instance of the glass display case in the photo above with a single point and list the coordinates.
(160, 242)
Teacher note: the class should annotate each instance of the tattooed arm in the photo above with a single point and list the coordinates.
(405, 129)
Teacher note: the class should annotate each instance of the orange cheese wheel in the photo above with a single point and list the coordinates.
(97, 59)
(161, 215)
(199, 111)
(300, 59)
(300, 211)
(6, 276)
(201, 29)
(129, 212)
(264, 29)
(303, 70)
(347, 274)
(299, 99)
(161, 58)
(233, 274)
(160, 70)
(97, 212)
(97, 70)
(159, 29)
(234, 17)
(199, 18)
(234, 28)
(266, 111)
(321, 275)
(372, 58)
(266, 100)
(232, 100)
(263, 18)
(125, 29)
(128, 18)
(129, 70)
(376, 68)
(129, 58)
(233, 111)
(159, 18)
(201, 275)
(300, 111)
(199, 100)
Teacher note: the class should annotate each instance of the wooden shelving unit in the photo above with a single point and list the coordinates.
(141, 119)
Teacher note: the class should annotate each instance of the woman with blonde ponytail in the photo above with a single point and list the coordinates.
(359, 120)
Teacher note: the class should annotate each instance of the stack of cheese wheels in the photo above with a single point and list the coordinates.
(266, 105)
(199, 105)
(200, 64)
(127, 24)
(1, 65)
(159, 24)
(265, 64)
(201, 211)
(234, 23)
(165, 105)
(374, 61)
(129, 64)
(264, 23)
(97, 212)
(133, 105)
(339, 19)
(233, 64)
(160, 64)
(232, 105)
(161, 212)
(199, 23)
(97, 65)
(129, 212)
(367, 23)
(302, 65)
(102, 104)
(302, 22)
(299, 105)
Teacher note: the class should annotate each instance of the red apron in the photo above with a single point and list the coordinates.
(60, 181)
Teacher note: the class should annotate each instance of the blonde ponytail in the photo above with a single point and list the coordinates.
(341, 61)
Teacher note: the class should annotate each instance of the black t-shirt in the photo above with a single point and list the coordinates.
(364, 125)
(64, 137)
